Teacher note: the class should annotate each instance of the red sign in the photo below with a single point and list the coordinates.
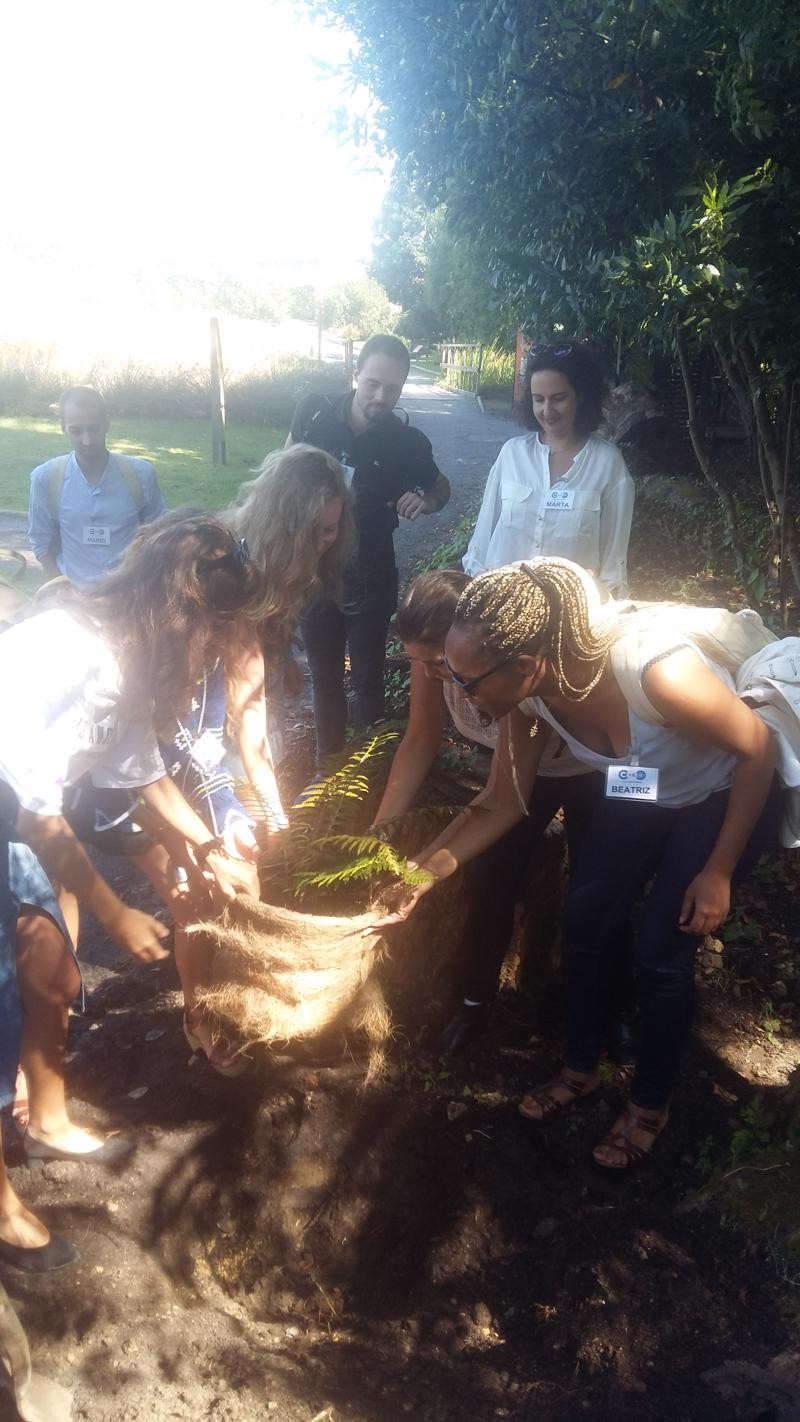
(523, 346)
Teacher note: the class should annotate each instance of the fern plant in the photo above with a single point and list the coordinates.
(326, 847)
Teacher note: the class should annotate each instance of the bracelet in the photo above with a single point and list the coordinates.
(209, 846)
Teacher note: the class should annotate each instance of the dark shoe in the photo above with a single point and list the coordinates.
(57, 1253)
(112, 1152)
(464, 1027)
(622, 1041)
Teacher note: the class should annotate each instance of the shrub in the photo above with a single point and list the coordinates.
(31, 380)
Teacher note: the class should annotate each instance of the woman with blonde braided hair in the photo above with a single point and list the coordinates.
(497, 878)
(690, 801)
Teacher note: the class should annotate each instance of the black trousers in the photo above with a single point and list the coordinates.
(360, 629)
(497, 878)
(624, 847)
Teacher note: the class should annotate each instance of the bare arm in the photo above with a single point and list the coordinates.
(247, 711)
(486, 819)
(417, 750)
(690, 697)
(231, 876)
(66, 861)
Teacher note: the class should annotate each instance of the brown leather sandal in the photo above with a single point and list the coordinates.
(547, 1100)
(651, 1124)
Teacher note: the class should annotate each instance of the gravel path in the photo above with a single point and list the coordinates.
(465, 446)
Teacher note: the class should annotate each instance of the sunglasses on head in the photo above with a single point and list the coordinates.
(467, 683)
(536, 351)
(235, 560)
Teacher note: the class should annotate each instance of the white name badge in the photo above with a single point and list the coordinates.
(635, 783)
(207, 751)
(95, 536)
(349, 474)
(559, 498)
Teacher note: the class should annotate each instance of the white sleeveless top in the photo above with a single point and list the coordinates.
(689, 770)
(467, 720)
(556, 758)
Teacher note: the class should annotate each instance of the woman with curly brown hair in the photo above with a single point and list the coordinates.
(91, 683)
(559, 490)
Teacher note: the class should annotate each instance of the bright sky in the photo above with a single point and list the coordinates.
(179, 134)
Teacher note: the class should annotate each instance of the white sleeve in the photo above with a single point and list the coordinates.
(133, 761)
(616, 515)
(475, 558)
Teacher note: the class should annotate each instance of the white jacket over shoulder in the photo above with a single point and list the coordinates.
(584, 516)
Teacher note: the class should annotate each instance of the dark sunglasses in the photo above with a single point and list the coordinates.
(468, 682)
(236, 560)
(536, 351)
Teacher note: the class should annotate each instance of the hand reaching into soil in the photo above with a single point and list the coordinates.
(399, 902)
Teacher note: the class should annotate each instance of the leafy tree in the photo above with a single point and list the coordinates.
(621, 169)
(358, 309)
(400, 246)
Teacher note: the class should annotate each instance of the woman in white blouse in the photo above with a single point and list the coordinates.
(559, 490)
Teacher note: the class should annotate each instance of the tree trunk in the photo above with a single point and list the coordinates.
(703, 457)
(767, 439)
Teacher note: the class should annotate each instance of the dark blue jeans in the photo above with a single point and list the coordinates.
(360, 629)
(10, 1010)
(497, 879)
(625, 847)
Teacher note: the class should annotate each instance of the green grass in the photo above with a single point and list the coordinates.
(180, 450)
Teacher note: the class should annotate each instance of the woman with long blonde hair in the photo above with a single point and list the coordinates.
(295, 521)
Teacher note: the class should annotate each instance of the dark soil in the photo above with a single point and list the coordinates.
(293, 1245)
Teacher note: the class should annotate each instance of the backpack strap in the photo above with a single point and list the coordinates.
(55, 484)
(728, 638)
(127, 468)
(323, 408)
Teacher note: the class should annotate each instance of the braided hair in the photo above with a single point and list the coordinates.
(541, 607)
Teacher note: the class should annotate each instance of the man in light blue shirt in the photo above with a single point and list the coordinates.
(85, 507)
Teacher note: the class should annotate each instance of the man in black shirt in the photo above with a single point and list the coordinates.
(390, 469)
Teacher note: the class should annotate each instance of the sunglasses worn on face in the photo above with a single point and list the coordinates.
(236, 560)
(468, 682)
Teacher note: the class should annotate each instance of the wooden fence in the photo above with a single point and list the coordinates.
(461, 366)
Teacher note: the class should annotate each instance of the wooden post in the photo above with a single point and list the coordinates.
(218, 451)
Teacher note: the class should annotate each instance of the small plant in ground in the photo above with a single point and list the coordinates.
(770, 1023)
(754, 1132)
(739, 928)
(449, 554)
(706, 1156)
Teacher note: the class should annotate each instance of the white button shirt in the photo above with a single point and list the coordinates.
(514, 523)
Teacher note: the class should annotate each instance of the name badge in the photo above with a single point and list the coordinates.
(559, 498)
(349, 474)
(95, 536)
(635, 783)
(207, 751)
